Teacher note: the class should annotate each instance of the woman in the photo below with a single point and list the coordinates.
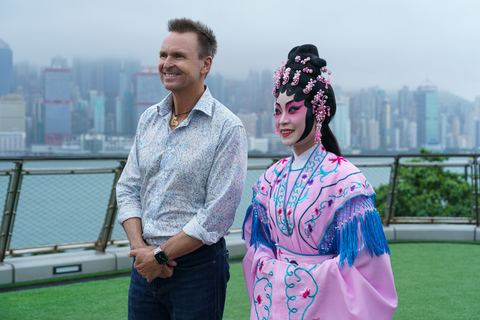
(316, 247)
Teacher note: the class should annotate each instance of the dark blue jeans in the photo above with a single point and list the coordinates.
(196, 290)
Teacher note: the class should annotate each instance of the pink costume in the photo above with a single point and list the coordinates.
(316, 247)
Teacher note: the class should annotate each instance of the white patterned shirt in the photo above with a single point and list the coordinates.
(190, 178)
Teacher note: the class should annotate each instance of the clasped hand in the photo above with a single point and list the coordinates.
(147, 266)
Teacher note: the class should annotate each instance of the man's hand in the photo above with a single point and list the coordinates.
(147, 265)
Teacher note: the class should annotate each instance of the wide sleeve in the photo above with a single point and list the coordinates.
(357, 283)
(258, 241)
(224, 189)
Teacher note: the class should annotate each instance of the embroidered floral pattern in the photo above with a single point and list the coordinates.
(261, 266)
(305, 293)
(337, 159)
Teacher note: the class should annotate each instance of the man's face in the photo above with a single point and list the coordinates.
(179, 66)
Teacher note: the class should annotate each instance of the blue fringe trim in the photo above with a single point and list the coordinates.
(372, 238)
(260, 232)
(247, 215)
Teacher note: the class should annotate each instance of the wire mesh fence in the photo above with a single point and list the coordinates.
(246, 201)
(433, 190)
(66, 208)
(56, 207)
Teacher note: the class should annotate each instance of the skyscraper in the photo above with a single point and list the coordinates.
(428, 121)
(99, 114)
(57, 105)
(12, 113)
(386, 125)
(6, 67)
(149, 90)
(341, 122)
(405, 102)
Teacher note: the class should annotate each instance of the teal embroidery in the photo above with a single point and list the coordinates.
(258, 301)
(324, 173)
(305, 293)
(285, 207)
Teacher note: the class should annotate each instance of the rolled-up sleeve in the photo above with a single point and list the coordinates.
(128, 189)
(224, 189)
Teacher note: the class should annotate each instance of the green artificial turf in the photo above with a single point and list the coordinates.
(436, 280)
(433, 281)
(103, 299)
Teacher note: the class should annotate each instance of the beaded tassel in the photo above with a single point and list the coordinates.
(318, 134)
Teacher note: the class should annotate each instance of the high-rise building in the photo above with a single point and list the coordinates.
(386, 125)
(477, 108)
(112, 71)
(455, 132)
(57, 105)
(341, 122)
(6, 67)
(428, 119)
(373, 134)
(149, 90)
(469, 128)
(99, 114)
(412, 135)
(12, 113)
(405, 104)
(249, 121)
(476, 112)
(215, 85)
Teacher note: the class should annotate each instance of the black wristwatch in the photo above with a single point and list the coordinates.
(160, 256)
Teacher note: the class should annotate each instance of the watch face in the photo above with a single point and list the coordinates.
(161, 258)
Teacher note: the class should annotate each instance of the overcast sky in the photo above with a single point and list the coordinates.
(388, 43)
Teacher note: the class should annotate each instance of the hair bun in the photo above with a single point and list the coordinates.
(307, 50)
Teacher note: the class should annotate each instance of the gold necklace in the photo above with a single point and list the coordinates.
(174, 121)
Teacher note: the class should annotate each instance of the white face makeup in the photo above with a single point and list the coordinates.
(290, 121)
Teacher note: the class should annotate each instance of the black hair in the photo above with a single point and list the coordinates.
(315, 63)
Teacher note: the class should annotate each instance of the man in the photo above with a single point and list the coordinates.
(180, 188)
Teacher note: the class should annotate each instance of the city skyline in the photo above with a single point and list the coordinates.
(94, 105)
(373, 43)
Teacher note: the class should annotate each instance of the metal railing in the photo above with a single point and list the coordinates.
(52, 205)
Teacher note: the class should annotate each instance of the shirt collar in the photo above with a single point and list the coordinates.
(204, 104)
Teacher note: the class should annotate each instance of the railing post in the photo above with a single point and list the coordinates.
(389, 209)
(107, 229)
(475, 169)
(10, 210)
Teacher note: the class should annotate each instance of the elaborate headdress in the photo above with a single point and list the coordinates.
(303, 77)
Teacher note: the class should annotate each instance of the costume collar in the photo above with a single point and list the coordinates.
(299, 161)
